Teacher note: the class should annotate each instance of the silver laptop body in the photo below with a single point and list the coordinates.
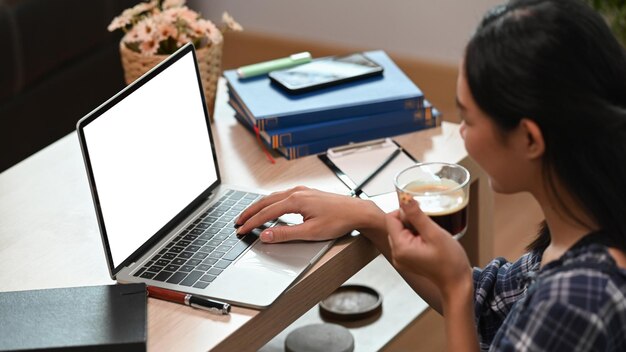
(152, 169)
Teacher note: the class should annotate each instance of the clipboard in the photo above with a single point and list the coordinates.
(354, 162)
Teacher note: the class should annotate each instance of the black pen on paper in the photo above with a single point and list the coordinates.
(359, 188)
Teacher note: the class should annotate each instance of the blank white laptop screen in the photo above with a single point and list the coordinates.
(145, 179)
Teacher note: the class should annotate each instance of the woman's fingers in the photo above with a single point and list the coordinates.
(428, 250)
(326, 215)
(400, 238)
(254, 208)
(305, 231)
(268, 213)
(394, 225)
(421, 222)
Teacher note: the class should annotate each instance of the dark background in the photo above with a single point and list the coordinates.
(57, 63)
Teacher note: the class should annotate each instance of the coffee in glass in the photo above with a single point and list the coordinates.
(442, 191)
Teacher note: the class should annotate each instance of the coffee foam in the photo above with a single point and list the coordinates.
(432, 202)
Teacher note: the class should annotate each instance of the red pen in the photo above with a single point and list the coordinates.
(187, 299)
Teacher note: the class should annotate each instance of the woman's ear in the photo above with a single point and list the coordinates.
(534, 145)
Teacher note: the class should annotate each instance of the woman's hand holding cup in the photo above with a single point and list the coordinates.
(419, 243)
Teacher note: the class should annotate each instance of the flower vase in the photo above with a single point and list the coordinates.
(209, 64)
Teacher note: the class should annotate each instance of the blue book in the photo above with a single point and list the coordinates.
(285, 137)
(320, 146)
(270, 107)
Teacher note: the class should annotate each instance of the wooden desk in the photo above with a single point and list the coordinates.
(49, 236)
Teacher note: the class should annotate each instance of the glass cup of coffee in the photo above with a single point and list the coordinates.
(441, 190)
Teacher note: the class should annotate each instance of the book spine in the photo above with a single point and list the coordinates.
(268, 123)
(235, 103)
(248, 126)
(308, 133)
(305, 149)
(239, 111)
(272, 123)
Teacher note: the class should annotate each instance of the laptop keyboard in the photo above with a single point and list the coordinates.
(205, 248)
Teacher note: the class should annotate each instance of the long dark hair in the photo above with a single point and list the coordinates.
(557, 63)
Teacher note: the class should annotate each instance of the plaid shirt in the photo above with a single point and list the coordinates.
(576, 303)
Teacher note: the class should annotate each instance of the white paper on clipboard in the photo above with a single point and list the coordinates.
(359, 160)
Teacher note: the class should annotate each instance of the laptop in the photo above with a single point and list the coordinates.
(165, 217)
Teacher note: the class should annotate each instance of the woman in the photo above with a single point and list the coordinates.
(542, 94)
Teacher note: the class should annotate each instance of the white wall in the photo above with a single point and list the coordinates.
(435, 30)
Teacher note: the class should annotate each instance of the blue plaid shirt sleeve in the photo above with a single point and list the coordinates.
(496, 288)
(579, 310)
(553, 326)
(576, 303)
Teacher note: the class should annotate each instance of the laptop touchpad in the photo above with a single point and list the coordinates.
(264, 269)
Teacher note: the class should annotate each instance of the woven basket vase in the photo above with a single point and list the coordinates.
(209, 64)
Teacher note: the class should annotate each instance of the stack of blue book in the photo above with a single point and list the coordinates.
(310, 123)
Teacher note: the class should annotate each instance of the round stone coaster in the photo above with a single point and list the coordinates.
(351, 302)
(320, 338)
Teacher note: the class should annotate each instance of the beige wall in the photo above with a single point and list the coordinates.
(433, 30)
